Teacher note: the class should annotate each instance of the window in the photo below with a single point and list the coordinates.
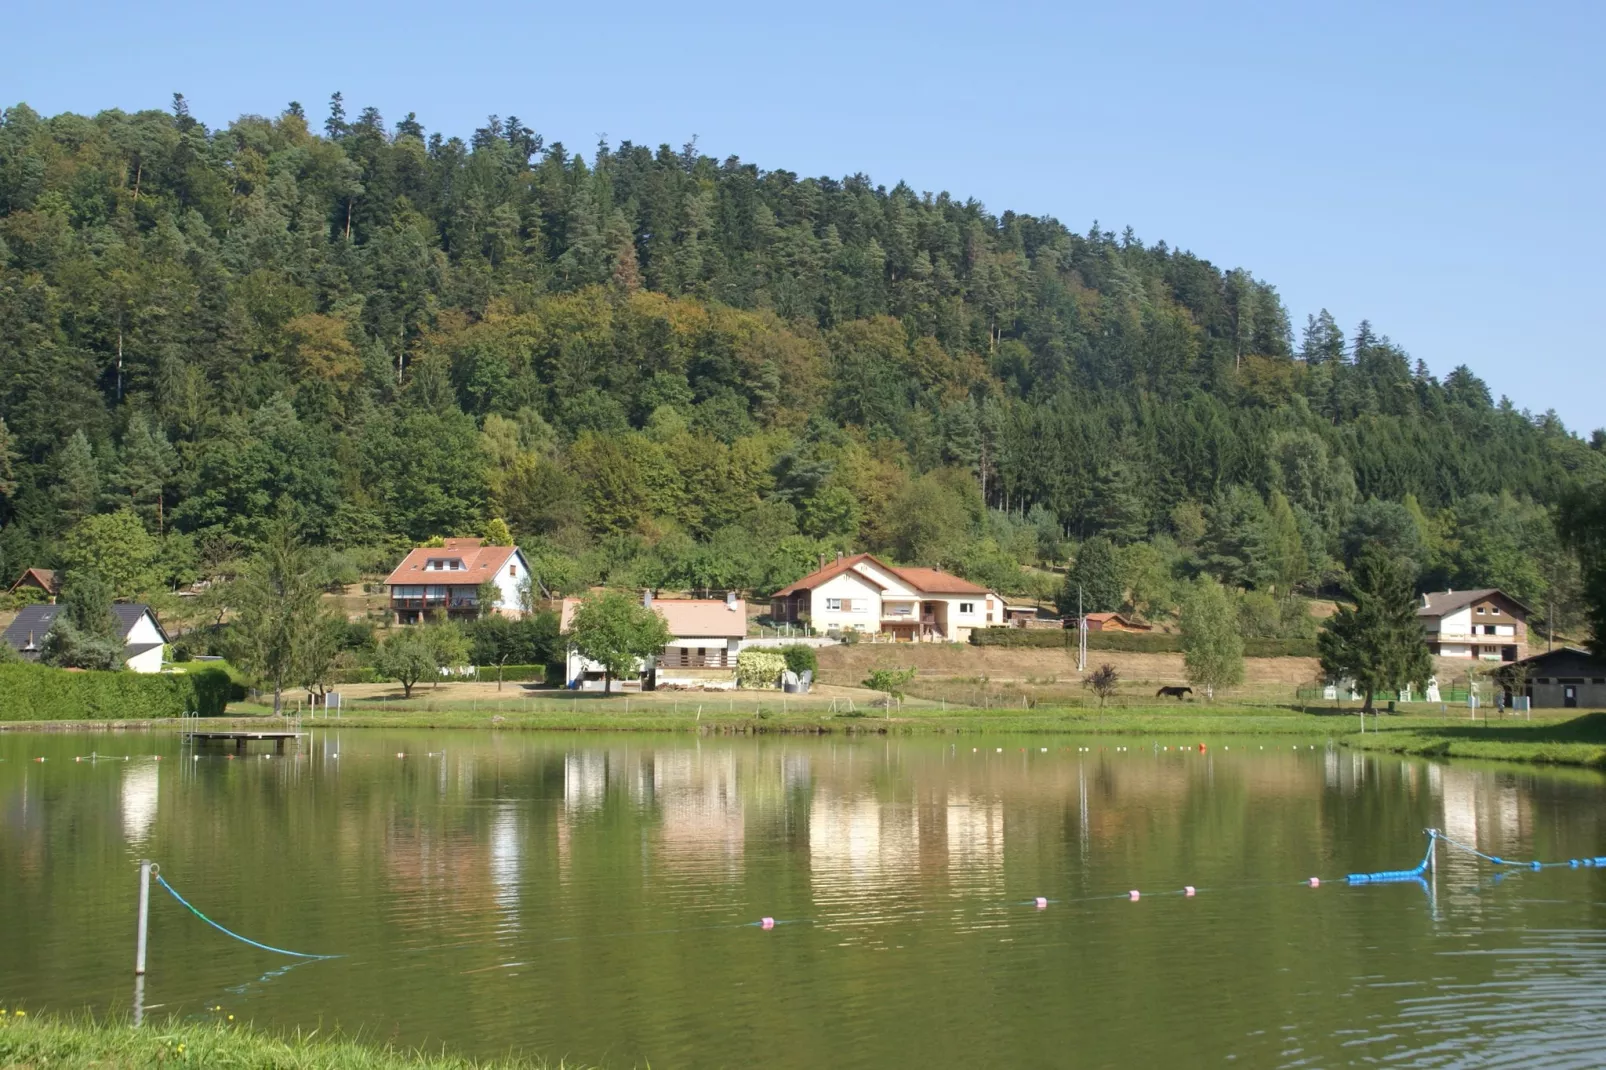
(513, 570)
(835, 605)
(967, 607)
(1599, 680)
(1480, 611)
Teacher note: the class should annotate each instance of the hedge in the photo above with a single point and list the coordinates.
(1131, 642)
(40, 693)
(511, 674)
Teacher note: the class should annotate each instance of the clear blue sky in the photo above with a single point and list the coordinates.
(1435, 167)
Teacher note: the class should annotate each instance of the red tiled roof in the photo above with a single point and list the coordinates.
(834, 569)
(923, 580)
(687, 617)
(480, 563)
(44, 577)
(936, 581)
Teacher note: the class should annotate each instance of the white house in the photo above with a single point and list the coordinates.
(864, 594)
(1487, 624)
(447, 578)
(144, 641)
(707, 632)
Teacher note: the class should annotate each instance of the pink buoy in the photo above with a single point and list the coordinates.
(1315, 882)
(1133, 895)
(766, 923)
(1188, 890)
(1041, 903)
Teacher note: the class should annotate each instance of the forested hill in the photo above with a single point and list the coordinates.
(664, 368)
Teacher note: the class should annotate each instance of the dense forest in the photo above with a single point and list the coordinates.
(664, 369)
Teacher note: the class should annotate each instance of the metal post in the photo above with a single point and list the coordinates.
(144, 915)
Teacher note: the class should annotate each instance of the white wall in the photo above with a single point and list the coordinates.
(148, 661)
(507, 598)
(866, 613)
(144, 631)
(1457, 623)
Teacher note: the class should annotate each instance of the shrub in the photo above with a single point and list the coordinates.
(800, 658)
(759, 668)
(40, 693)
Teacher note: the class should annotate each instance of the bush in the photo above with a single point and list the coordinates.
(40, 693)
(800, 658)
(759, 668)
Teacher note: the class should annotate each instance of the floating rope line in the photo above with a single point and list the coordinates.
(244, 940)
(1390, 876)
(1571, 863)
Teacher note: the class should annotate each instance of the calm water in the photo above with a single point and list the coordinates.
(594, 897)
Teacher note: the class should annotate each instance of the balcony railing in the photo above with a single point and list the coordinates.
(678, 657)
(433, 602)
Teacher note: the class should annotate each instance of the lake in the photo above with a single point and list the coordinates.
(598, 897)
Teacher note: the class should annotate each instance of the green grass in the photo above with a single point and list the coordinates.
(26, 1041)
(1579, 741)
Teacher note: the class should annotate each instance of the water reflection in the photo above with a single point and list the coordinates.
(595, 898)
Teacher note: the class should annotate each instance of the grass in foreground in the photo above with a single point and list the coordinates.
(26, 1041)
(1578, 741)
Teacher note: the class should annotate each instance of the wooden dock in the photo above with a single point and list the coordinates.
(240, 739)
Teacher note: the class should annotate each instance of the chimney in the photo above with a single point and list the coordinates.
(730, 601)
(1425, 602)
(822, 560)
(839, 555)
(646, 597)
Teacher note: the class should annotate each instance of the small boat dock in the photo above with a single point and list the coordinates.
(240, 739)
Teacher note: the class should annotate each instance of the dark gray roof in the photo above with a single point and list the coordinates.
(1441, 602)
(1566, 655)
(33, 622)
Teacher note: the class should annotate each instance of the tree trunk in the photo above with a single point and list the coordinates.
(607, 682)
(278, 698)
(407, 690)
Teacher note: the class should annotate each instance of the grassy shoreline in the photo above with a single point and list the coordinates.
(1578, 741)
(49, 1040)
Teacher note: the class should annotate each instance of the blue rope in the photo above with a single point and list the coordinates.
(1572, 863)
(276, 950)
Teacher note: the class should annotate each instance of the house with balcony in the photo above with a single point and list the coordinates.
(864, 594)
(1482, 625)
(708, 634)
(446, 579)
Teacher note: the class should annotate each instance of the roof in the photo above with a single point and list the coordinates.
(33, 623)
(1568, 652)
(923, 580)
(687, 617)
(1105, 618)
(831, 571)
(44, 577)
(480, 563)
(1438, 603)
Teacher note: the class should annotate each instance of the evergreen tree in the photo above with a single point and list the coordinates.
(1378, 642)
(276, 603)
(1094, 580)
(78, 479)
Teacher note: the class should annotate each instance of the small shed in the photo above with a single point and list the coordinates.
(1115, 622)
(43, 580)
(1567, 678)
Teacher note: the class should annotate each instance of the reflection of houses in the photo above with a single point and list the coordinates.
(1487, 624)
(144, 641)
(707, 634)
(858, 845)
(863, 594)
(447, 579)
(1567, 678)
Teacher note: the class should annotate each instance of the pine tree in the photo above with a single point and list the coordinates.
(77, 488)
(148, 462)
(1097, 576)
(1377, 642)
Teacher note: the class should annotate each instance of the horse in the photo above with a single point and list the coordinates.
(1173, 692)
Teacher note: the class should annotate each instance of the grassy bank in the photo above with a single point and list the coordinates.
(1578, 741)
(26, 1041)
